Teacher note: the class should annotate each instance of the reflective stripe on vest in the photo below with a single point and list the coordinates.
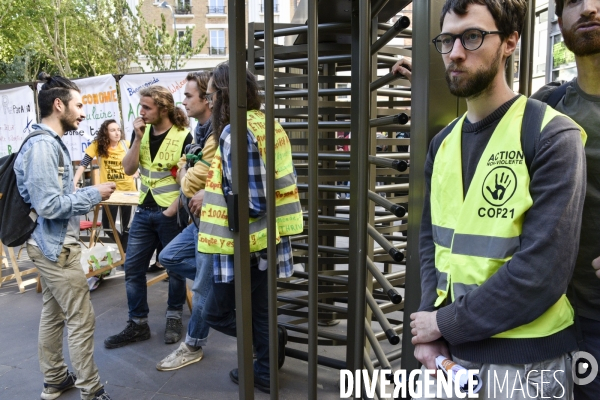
(156, 174)
(477, 233)
(214, 235)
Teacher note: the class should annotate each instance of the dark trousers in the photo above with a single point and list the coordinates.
(590, 330)
(219, 314)
(148, 227)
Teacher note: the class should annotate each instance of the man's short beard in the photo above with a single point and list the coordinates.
(476, 84)
(66, 124)
(582, 43)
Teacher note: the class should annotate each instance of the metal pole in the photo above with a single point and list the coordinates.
(313, 195)
(526, 55)
(359, 167)
(239, 155)
(550, 43)
(271, 215)
(510, 73)
(176, 36)
(432, 108)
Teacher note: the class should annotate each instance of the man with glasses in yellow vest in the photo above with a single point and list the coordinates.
(501, 218)
(160, 135)
(214, 235)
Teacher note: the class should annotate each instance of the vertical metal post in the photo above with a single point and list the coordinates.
(432, 107)
(510, 73)
(239, 156)
(550, 42)
(359, 167)
(271, 215)
(313, 194)
(250, 48)
(176, 39)
(526, 56)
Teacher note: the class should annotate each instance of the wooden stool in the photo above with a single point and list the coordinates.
(17, 274)
(162, 277)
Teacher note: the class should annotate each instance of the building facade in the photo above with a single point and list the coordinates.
(207, 18)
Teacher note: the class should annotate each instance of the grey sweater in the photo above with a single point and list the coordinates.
(585, 110)
(538, 273)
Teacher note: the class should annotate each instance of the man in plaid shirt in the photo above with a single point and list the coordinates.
(257, 175)
(214, 236)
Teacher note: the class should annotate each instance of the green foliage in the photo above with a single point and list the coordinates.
(156, 42)
(80, 38)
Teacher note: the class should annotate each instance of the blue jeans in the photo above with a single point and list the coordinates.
(182, 257)
(219, 313)
(590, 330)
(148, 227)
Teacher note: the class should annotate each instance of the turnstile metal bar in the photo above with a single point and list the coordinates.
(313, 196)
(379, 354)
(271, 213)
(237, 95)
(303, 29)
(402, 23)
(361, 107)
(392, 337)
(340, 92)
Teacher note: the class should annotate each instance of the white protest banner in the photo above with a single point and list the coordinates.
(17, 107)
(100, 102)
(130, 86)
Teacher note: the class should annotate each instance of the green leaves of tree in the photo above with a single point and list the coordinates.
(80, 38)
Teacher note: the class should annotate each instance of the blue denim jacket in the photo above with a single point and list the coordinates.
(36, 168)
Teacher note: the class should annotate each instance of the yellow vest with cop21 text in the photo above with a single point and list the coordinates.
(214, 236)
(156, 174)
(474, 237)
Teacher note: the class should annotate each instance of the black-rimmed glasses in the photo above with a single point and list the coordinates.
(471, 39)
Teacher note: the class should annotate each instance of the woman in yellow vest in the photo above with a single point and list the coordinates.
(109, 148)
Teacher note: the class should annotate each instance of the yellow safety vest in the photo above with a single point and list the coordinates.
(474, 237)
(214, 236)
(156, 174)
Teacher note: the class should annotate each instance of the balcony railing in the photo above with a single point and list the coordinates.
(183, 9)
(216, 9)
(275, 7)
(217, 51)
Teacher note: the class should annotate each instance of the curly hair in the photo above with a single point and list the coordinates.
(102, 139)
(221, 109)
(509, 15)
(164, 101)
(54, 87)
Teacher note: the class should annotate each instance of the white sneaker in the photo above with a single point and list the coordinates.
(180, 358)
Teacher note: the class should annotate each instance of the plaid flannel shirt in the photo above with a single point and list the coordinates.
(223, 263)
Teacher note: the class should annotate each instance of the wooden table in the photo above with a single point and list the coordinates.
(118, 198)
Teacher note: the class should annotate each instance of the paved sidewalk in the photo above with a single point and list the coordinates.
(129, 372)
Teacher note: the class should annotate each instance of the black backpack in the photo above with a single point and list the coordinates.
(17, 218)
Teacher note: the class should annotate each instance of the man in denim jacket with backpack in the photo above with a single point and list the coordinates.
(53, 246)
